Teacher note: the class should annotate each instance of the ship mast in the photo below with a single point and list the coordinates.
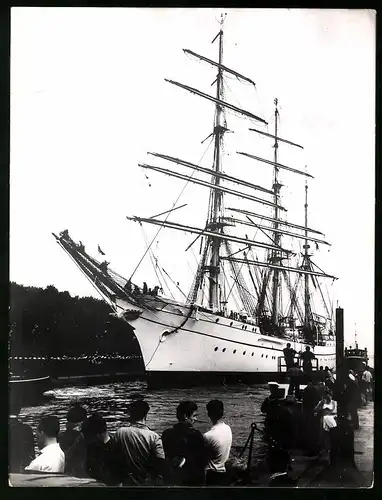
(217, 195)
(276, 235)
(306, 263)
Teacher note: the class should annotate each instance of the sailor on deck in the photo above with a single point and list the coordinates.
(289, 355)
(307, 358)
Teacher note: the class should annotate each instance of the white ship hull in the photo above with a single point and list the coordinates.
(180, 343)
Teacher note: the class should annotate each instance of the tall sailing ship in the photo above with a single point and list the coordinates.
(249, 296)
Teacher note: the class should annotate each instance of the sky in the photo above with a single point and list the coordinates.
(89, 100)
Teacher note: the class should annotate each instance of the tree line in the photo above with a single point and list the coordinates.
(46, 322)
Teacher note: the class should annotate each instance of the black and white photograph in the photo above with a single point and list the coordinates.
(191, 249)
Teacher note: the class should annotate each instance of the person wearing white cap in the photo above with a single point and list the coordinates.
(271, 406)
(367, 379)
(277, 427)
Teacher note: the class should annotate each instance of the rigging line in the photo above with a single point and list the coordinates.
(323, 298)
(167, 216)
(162, 276)
(330, 302)
(233, 295)
(193, 254)
(152, 256)
(262, 230)
(240, 250)
(239, 272)
(103, 296)
(256, 270)
(317, 266)
(245, 298)
(259, 101)
(246, 290)
(157, 267)
(233, 95)
(165, 281)
(174, 283)
(201, 287)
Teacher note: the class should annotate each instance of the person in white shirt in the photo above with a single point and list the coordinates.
(367, 379)
(218, 441)
(52, 458)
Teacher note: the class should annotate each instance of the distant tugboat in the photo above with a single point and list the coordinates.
(357, 359)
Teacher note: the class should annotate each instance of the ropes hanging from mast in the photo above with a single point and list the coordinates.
(175, 202)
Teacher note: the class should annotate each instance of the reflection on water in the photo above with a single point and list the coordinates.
(242, 406)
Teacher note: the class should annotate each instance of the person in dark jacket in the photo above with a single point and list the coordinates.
(277, 428)
(329, 379)
(184, 447)
(20, 439)
(307, 356)
(289, 355)
(276, 415)
(311, 427)
(294, 373)
(102, 458)
(310, 398)
(72, 443)
(321, 375)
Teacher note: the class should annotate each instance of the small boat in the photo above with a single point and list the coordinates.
(357, 359)
(28, 390)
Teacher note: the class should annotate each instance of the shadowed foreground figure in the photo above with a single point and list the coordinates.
(184, 447)
(342, 471)
(72, 443)
(279, 428)
(102, 459)
(20, 440)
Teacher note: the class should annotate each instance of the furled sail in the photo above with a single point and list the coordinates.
(222, 236)
(276, 137)
(220, 66)
(275, 164)
(271, 219)
(209, 185)
(220, 175)
(218, 101)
